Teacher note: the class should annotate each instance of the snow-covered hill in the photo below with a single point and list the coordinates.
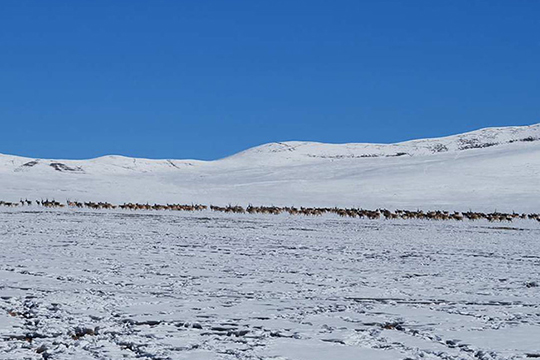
(488, 169)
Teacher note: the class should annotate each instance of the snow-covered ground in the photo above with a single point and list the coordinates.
(485, 170)
(78, 284)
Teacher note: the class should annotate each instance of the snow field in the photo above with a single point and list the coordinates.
(81, 284)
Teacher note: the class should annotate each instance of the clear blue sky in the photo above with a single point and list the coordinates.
(205, 79)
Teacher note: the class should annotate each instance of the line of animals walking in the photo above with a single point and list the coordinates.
(276, 210)
(104, 205)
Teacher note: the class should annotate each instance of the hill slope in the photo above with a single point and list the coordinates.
(488, 169)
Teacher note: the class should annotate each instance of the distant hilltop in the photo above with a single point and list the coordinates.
(477, 139)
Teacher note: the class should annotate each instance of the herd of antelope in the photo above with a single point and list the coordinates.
(275, 210)
(377, 214)
(104, 205)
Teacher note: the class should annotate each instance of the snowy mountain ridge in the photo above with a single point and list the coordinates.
(484, 170)
(291, 150)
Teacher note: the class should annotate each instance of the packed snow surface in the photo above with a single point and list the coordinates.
(81, 284)
(485, 170)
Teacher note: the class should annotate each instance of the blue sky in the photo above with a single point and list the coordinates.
(205, 79)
